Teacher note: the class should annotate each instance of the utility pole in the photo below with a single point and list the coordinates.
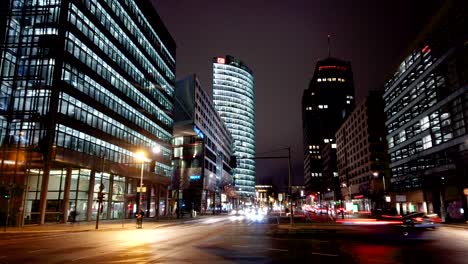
(290, 189)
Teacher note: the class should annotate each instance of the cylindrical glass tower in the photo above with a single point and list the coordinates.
(234, 99)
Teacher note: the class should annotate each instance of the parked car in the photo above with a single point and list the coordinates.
(421, 220)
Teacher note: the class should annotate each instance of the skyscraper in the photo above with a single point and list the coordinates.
(84, 85)
(325, 104)
(234, 99)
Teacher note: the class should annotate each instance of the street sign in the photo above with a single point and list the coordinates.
(141, 189)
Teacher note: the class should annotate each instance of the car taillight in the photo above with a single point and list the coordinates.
(418, 219)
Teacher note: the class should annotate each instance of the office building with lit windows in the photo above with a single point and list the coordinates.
(234, 99)
(85, 85)
(362, 158)
(426, 104)
(325, 104)
(202, 151)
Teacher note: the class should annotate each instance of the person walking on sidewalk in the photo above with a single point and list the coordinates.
(139, 218)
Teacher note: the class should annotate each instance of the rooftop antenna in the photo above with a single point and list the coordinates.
(328, 46)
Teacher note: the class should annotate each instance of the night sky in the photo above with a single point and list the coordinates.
(281, 42)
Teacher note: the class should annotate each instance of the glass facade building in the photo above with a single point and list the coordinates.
(202, 150)
(85, 84)
(426, 104)
(234, 99)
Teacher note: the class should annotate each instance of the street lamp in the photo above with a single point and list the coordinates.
(141, 156)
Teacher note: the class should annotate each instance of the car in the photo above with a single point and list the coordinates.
(422, 220)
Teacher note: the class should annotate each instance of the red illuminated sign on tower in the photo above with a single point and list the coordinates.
(221, 60)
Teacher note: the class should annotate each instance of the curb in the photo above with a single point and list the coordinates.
(72, 229)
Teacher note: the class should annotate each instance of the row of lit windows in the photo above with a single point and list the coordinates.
(330, 79)
(118, 57)
(223, 69)
(392, 95)
(232, 96)
(70, 138)
(243, 136)
(233, 105)
(316, 174)
(94, 34)
(207, 106)
(105, 71)
(136, 32)
(236, 90)
(144, 22)
(80, 111)
(234, 80)
(230, 115)
(88, 86)
(233, 71)
(422, 90)
(242, 128)
(235, 108)
(405, 65)
(442, 128)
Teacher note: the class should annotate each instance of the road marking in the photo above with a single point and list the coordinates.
(323, 254)
(242, 246)
(278, 249)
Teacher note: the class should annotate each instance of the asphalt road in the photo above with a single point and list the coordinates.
(223, 240)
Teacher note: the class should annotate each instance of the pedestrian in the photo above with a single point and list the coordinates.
(139, 217)
(73, 214)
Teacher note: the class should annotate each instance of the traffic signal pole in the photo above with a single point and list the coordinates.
(100, 196)
(291, 221)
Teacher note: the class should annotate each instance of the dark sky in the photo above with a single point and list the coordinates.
(281, 42)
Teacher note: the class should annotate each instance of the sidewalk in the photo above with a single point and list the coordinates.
(457, 225)
(127, 224)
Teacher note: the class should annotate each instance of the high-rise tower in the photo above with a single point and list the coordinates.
(325, 104)
(234, 99)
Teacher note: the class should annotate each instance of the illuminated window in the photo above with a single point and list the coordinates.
(329, 79)
(326, 140)
(334, 79)
(424, 122)
(333, 145)
(319, 80)
(427, 142)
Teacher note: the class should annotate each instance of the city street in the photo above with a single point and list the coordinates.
(224, 239)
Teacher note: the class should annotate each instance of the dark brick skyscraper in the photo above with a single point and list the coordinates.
(325, 104)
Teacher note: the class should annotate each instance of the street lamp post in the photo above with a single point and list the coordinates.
(141, 156)
(290, 189)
